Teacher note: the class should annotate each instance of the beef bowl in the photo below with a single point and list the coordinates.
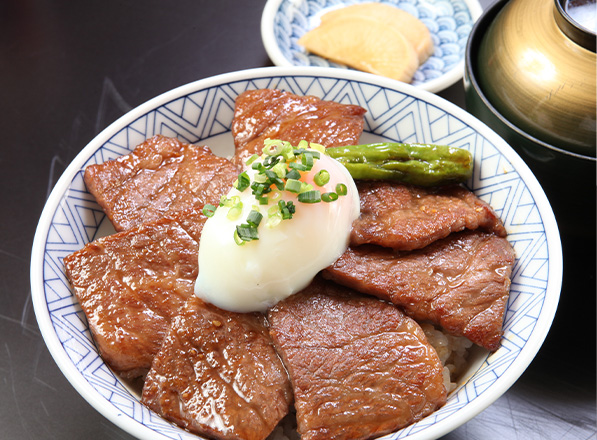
(530, 75)
(202, 113)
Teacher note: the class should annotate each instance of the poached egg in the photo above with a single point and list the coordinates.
(253, 275)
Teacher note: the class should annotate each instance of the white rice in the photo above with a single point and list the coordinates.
(286, 429)
(452, 352)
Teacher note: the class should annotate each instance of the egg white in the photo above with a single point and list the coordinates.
(286, 257)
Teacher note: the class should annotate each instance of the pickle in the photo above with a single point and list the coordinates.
(415, 164)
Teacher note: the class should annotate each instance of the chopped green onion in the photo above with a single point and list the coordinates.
(270, 161)
(307, 160)
(260, 188)
(229, 202)
(286, 214)
(280, 170)
(260, 178)
(287, 209)
(321, 178)
(273, 147)
(293, 186)
(270, 174)
(209, 210)
(235, 211)
(273, 179)
(275, 195)
(243, 181)
(341, 189)
(298, 166)
(274, 216)
(239, 241)
(313, 153)
(317, 147)
(293, 174)
(247, 232)
(313, 196)
(329, 197)
(279, 184)
(288, 155)
(254, 218)
(258, 166)
(274, 220)
(306, 187)
(252, 159)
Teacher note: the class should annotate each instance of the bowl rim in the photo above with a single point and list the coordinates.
(435, 85)
(472, 47)
(574, 30)
(134, 427)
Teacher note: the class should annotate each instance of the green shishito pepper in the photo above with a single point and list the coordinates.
(416, 164)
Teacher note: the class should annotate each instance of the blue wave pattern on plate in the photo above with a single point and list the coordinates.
(448, 21)
(393, 115)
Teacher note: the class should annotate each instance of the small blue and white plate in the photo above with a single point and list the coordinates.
(201, 112)
(449, 21)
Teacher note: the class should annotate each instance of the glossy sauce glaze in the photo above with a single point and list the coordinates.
(359, 367)
(275, 114)
(460, 283)
(406, 217)
(159, 177)
(217, 375)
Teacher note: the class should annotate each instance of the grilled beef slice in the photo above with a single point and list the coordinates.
(160, 176)
(406, 217)
(359, 367)
(132, 283)
(274, 114)
(218, 375)
(461, 282)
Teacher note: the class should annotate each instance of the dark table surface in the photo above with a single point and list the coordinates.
(70, 68)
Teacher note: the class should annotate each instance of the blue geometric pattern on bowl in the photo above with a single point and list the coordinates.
(392, 114)
(449, 22)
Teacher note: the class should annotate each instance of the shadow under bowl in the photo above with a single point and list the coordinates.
(567, 178)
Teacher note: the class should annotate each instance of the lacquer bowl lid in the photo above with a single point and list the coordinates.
(537, 67)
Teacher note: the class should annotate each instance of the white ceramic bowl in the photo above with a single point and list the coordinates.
(449, 21)
(202, 112)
